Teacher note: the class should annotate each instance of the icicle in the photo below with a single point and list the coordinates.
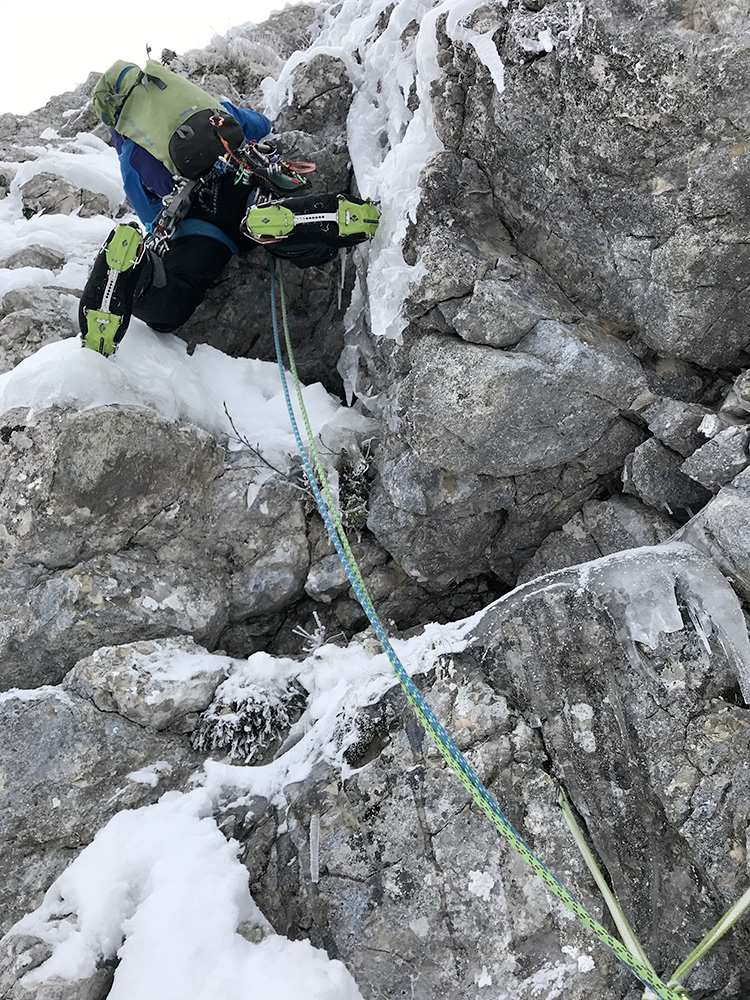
(314, 847)
(342, 259)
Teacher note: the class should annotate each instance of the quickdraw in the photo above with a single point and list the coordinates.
(268, 168)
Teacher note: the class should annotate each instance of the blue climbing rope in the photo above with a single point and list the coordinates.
(450, 752)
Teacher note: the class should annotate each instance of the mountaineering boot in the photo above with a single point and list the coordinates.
(107, 299)
(345, 220)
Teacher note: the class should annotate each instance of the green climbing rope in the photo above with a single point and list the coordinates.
(451, 754)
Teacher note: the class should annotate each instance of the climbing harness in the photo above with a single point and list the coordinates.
(632, 957)
(175, 206)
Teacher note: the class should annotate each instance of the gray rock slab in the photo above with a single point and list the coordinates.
(47, 193)
(440, 524)
(475, 409)
(654, 474)
(722, 530)
(722, 458)
(588, 359)
(676, 424)
(154, 684)
(507, 303)
(600, 528)
(35, 256)
(24, 332)
(119, 526)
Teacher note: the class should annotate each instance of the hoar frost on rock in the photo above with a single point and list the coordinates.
(251, 713)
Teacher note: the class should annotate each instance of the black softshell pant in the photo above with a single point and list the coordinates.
(179, 281)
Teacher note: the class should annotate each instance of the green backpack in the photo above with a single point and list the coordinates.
(181, 125)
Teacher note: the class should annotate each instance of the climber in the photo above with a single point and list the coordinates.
(205, 187)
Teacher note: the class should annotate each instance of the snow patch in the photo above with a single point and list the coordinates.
(165, 881)
(483, 978)
(481, 884)
(152, 774)
(155, 371)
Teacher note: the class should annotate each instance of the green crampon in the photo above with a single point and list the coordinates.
(101, 331)
(122, 248)
(269, 222)
(354, 219)
(274, 222)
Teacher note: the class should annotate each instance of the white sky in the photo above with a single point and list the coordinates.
(50, 46)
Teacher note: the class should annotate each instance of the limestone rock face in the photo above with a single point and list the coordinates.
(571, 386)
(600, 528)
(676, 424)
(488, 451)
(656, 475)
(636, 725)
(722, 530)
(546, 231)
(49, 193)
(158, 684)
(626, 147)
(722, 458)
(118, 526)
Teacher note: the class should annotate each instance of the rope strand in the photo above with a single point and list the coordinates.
(449, 751)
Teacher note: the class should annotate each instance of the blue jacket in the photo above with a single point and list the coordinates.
(147, 180)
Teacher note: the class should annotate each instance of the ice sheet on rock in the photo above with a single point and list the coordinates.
(645, 587)
(482, 42)
(389, 142)
(644, 590)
